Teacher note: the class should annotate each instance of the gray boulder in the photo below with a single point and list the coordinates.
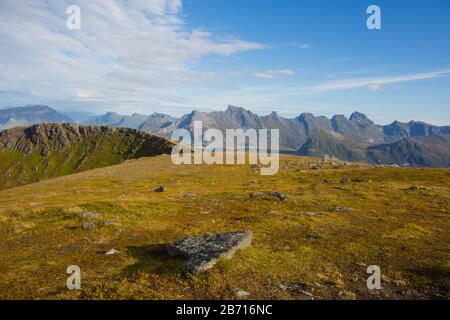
(202, 253)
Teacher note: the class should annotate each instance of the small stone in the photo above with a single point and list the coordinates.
(313, 214)
(256, 194)
(345, 180)
(90, 225)
(112, 252)
(272, 212)
(279, 195)
(307, 294)
(89, 215)
(283, 287)
(160, 189)
(241, 293)
(311, 237)
(93, 225)
(341, 209)
(361, 264)
(188, 195)
(272, 194)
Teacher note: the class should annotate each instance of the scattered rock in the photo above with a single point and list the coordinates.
(272, 212)
(241, 293)
(202, 253)
(416, 187)
(311, 237)
(94, 225)
(316, 167)
(272, 194)
(313, 214)
(89, 215)
(283, 287)
(278, 195)
(188, 195)
(112, 252)
(307, 294)
(341, 209)
(324, 181)
(347, 180)
(317, 284)
(256, 194)
(160, 189)
(361, 264)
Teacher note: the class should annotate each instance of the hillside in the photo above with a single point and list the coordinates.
(29, 154)
(429, 151)
(338, 219)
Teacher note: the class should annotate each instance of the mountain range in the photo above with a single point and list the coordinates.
(356, 138)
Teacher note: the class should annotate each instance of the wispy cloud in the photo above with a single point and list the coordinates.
(304, 45)
(301, 45)
(143, 47)
(375, 83)
(272, 74)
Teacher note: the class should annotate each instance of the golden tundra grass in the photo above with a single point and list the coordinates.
(403, 230)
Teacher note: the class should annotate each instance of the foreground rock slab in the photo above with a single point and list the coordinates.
(202, 253)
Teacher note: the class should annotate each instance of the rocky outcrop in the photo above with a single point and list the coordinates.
(51, 150)
(202, 253)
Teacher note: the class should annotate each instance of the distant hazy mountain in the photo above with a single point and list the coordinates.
(150, 123)
(427, 151)
(397, 130)
(157, 122)
(108, 119)
(78, 116)
(28, 154)
(29, 115)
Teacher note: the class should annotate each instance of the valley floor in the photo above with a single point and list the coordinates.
(305, 247)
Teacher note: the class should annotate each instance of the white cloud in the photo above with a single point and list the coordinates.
(375, 83)
(304, 45)
(126, 50)
(272, 74)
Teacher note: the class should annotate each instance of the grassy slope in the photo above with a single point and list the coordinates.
(88, 153)
(405, 231)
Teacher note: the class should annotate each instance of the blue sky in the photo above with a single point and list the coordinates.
(172, 56)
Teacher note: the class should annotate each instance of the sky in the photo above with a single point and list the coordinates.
(173, 56)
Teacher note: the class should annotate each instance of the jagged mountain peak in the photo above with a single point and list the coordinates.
(360, 117)
(235, 109)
